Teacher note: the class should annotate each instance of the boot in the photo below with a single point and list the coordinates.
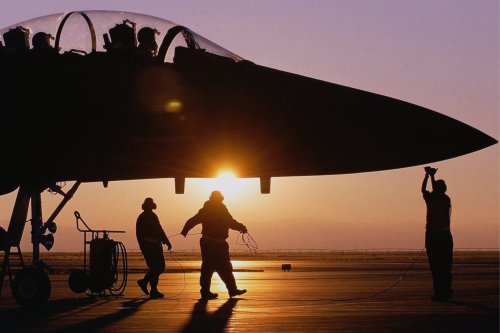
(208, 295)
(155, 294)
(237, 292)
(144, 286)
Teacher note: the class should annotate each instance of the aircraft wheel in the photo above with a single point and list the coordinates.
(31, 287)
(78, 281)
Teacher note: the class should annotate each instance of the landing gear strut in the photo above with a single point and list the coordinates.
(31, 285)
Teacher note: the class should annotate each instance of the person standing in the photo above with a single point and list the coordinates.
(216, 222)
(438, 238)
(151, 236)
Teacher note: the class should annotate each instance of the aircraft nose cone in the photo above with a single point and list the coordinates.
(333, 129)
(446, 138)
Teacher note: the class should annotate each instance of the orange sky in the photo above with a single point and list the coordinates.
(440, 55)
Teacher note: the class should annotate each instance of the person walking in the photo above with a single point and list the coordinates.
(216, 222)
(151, 236)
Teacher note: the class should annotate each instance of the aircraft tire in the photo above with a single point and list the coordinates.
(78, 281)
(31, 287)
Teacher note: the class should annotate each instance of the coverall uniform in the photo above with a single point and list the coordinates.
(439, 242)
(216, 222)
(150, 236)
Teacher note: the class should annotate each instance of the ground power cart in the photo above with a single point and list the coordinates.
(104, 263)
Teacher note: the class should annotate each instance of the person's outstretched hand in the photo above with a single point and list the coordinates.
(430, 171)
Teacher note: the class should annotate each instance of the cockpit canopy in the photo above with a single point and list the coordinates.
(100, 30)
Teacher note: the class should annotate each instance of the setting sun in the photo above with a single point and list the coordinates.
(226, 175)
(226, 182)
(229, 184)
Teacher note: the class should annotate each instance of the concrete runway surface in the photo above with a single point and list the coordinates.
(321, 293)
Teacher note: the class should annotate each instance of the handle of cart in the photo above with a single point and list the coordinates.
(94, 232)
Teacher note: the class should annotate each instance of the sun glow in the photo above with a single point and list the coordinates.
(226, 176)
(229, 184)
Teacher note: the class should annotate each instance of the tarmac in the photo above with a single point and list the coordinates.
(314, 296)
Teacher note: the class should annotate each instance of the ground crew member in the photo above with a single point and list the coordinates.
(150, 236)
(438, 238)
(216, 222)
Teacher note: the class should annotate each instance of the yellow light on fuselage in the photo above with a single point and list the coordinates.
(173, 106)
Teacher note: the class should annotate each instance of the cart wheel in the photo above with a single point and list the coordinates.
(96, 286)
(31, 287)
(78, 281)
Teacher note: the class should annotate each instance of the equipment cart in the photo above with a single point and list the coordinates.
(104, 263)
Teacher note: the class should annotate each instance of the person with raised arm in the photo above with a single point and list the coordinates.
(438, 238)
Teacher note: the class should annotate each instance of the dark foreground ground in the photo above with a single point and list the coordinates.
(323, 292)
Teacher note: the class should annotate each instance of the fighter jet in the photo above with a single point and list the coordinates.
(99, 96)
